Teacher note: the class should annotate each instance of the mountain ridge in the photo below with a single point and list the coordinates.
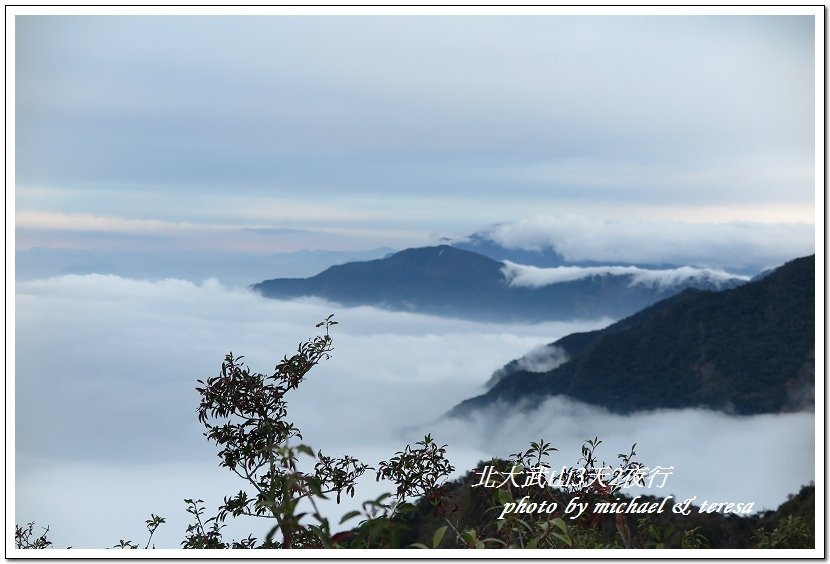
(444, 280)
(745, 350)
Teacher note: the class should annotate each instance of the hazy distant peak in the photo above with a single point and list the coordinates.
(444, 280)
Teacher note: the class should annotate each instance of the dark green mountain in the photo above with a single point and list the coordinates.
(745, 350)
(452, 282)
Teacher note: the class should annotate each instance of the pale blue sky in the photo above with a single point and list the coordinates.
(392, 131)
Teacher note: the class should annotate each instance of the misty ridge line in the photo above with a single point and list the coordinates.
(521, 275)
(450, 281)
(748, 349)
(543, 358)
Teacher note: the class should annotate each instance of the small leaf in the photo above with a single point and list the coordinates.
(504, 497)
(306, 450)
(469, 537)
(560, 524)
(438, 536)
(349, 515)
(405, 507)
(567, 540)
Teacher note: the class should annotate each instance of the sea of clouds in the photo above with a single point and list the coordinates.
(106, 433)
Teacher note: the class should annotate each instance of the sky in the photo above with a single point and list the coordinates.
(279, 133)
(207, 139)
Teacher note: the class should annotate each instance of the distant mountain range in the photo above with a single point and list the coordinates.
(448, 281)
(745, 350)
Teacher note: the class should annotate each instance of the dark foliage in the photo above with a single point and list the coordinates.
(473, 507)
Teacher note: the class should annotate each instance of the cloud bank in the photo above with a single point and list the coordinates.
(543, 359)
(534, 277)
(540, 359)
(732, 246)
(715, 456)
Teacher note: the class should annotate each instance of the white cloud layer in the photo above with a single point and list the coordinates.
(534, 277)
(106, 433)
(540, 359)
(543, 359)
(717, 245)
(716, 457)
